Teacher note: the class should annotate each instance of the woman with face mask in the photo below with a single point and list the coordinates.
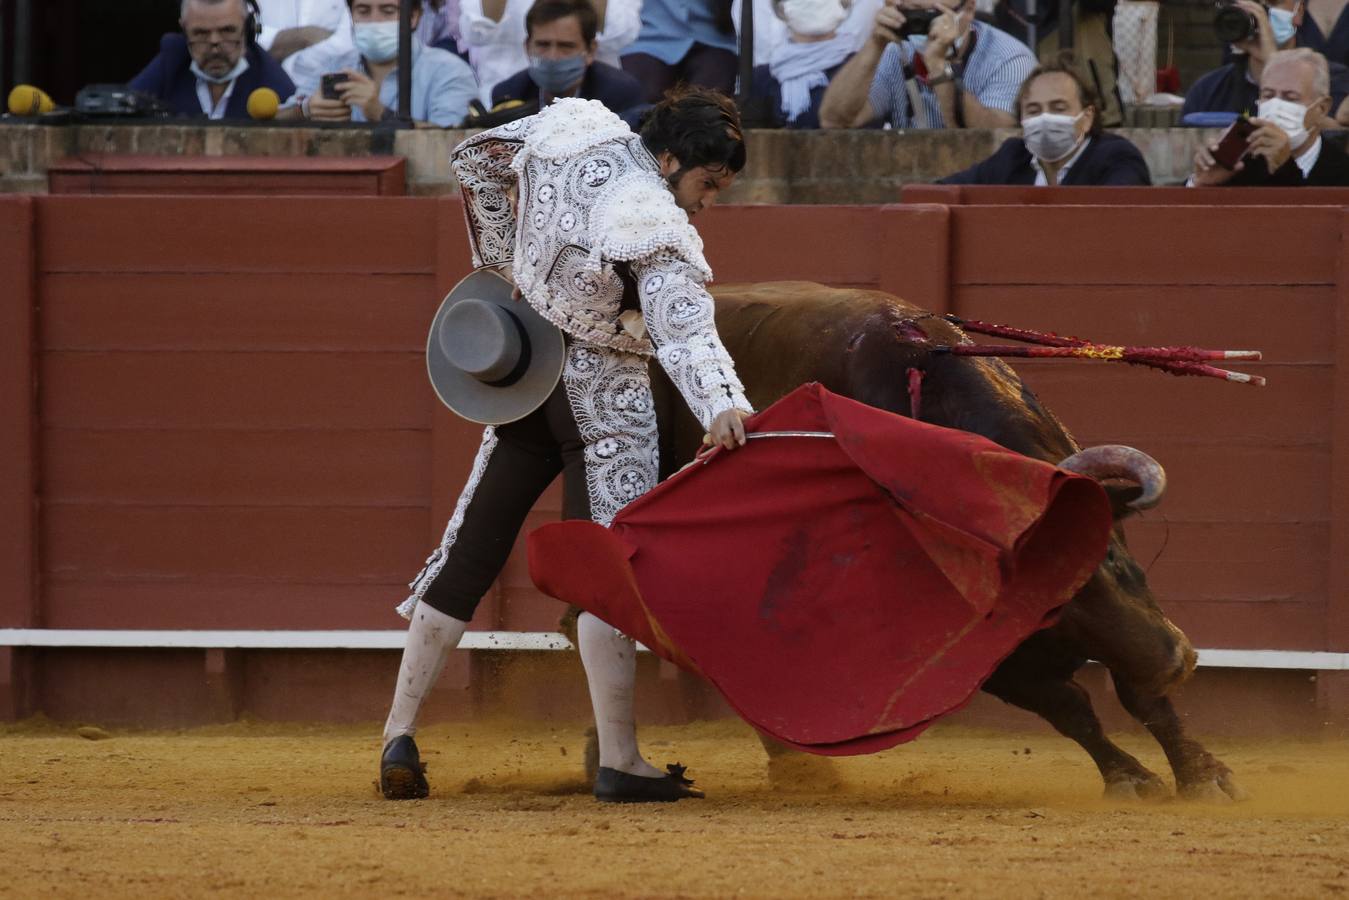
(799, 68)
(1061, 141)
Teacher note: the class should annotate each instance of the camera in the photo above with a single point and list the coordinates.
(917, 21)
(1232, 24)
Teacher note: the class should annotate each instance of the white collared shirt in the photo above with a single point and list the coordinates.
(279, 15)
(1308, 159)
(1042, 181)
(217, 111)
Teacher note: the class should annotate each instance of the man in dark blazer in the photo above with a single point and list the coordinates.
(1286, 149)
(214, 65)
(560, 43)
(1062, 141)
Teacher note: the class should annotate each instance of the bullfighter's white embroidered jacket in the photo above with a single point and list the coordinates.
(589, 196)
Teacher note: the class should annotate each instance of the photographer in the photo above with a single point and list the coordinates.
(1256, 33)
(927, 65)
(1285, 149)
(1062, 141)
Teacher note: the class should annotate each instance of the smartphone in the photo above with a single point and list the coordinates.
(1232, 145)
(330, 83)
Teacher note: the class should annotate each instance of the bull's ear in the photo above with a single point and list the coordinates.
(1121, 494)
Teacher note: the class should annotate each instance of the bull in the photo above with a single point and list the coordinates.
(861, 344)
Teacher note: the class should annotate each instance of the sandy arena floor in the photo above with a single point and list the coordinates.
(264, 810)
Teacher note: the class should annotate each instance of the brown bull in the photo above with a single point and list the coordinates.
(861, 344)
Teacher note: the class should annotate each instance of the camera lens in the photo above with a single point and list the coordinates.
(917, 21)
(1233, 24)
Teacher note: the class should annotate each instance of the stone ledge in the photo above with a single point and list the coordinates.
(863, 166)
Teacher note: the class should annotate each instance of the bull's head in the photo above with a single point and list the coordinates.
(1134, 480)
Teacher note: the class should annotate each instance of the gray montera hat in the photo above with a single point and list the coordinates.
(492, 359)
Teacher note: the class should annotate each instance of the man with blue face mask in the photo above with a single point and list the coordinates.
(366, 73)
(1234, 88)
(1286, 149)
(214, 65)
(560, 46)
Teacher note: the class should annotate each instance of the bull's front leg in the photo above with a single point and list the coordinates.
(1199, 774)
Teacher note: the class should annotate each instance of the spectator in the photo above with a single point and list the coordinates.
(1062, 142)
(1235, 88)
(801, 66)
(1286, 149)
(439, 27)
(494, 33)
(688, 41)
(1324, 27)
(442, 83)
(289, 26)
(965, 73)
(212, 67)
(560, 46)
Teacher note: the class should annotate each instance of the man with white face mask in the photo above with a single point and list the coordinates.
(1062, 141)
(1286, 149)
(367, 91)
(1234, 88)
(214, 65)
(800, 67)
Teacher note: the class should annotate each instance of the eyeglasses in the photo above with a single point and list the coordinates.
(229, 36)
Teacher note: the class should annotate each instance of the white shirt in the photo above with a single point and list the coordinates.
(217, 111)
(278, 15)
(1042, 181)
(497, 49)
(1308, 159)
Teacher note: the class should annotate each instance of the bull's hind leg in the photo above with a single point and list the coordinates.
(1062, 702)
(1199, 774)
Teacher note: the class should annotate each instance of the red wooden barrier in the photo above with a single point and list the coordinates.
(96, 173)
(1023, 195)
(236, 432)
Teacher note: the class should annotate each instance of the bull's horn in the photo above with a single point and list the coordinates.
(1118, 461)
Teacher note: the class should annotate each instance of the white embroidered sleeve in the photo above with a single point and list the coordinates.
(483, 166)
(680, 321)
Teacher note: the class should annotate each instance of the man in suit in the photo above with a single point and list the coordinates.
(1286, 149)
(1062, 141)
(214, 65)
(560, 43)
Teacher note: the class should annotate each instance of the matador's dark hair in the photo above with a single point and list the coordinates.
(698, 127)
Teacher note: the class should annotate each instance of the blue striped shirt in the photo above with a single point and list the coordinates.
(993, 74)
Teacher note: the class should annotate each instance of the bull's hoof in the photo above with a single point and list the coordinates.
(1217, 789)
(1134, 788)
(802, 773)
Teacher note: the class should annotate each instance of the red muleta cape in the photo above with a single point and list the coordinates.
(844, 592)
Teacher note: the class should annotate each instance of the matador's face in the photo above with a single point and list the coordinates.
(697, 188)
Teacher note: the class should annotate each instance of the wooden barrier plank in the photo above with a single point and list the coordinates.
(242, 312)
(332, 544)
(362, 235)
(257, 468)
(1289, 323)
(915, 255)
(1337, 600)
(18, 434)
(247, 603)
(109, 173)
(1026, 195)
(1078, 245)
(831, 244)
(1275, 626)
(234, 390)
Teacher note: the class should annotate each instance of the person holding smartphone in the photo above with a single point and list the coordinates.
(359, 82)
(929, 65)
(1282, 146)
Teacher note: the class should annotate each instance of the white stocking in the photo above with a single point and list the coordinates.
(610, 661)
(431, 637)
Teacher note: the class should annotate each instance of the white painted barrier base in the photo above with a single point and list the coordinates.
(498, 640)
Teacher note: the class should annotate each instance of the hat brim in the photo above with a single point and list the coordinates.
(486, 404)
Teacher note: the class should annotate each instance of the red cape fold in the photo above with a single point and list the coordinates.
(841, 592)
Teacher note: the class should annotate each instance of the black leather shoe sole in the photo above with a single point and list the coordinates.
(400, 771)
(613, 786)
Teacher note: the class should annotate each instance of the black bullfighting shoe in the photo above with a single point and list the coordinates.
(613, 786)
(400, 771)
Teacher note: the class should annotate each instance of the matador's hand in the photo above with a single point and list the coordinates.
(728, 430)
